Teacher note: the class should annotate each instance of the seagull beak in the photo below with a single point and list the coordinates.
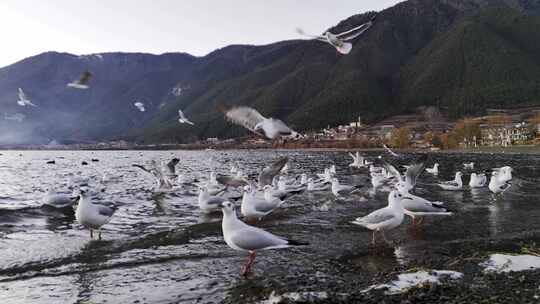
(407, 198)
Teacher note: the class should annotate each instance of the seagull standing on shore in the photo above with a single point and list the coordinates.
(183, 119)
(339, 41)
(256, 207)
(240, 236)
(252, 120)
(386, 218)
(208, 203)
(82, 82)
(93, 215)
(23, 100)
(418, 206)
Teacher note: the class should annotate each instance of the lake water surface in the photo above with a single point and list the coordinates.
(158, 248)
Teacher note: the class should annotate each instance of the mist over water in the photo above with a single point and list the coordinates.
(159, 248)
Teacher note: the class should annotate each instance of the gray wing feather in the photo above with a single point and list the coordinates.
(376, 217)
(215, 200)
(252, 238)
(267, 174)
(244, 116)
(106, 211)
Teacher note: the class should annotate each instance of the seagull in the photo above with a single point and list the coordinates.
(316, 187)
(268, 173)
(140, 106)
(23, 100)
(163, 179)
(256, 207)
(252, 120)
(327, 176)
(240, 236)
(418, 206)
(386, 218)
(208, 203)
(504, 174)
(183, 119)
(93, 215)
(394, 154)
(58, 200)
(497, 183)
(468, 165)
(358, 161)
(412, 173)
(477, 180)
(341, 190)
(434, 170)
(232, 181)
(453, 185)
(82, 82)
(339, 41)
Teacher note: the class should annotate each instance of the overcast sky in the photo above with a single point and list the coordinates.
(29, 27)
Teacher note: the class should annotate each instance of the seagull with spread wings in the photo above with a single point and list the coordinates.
(252, 120)
(23, 100)
(183, 119)
(340, 40)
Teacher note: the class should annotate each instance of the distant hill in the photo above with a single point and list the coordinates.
(460, 55)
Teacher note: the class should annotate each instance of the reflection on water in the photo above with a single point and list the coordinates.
(160, 248)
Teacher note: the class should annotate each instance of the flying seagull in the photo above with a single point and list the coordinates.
(82, 82)
(140, 106)
(183, 119)
(252, 120)
(339, 41)
(23, 100)
(269, 172)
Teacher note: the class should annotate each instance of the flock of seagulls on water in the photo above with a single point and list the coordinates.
(256, 196)
(261, 195)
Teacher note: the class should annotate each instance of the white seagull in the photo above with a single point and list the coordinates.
(82, 82)
(208, 203)
(453, 185)
(58, 200)
(411, 175)
(358, 161)
(498, 182)
(386, 218)
(339, 41)
(23, 100)
(240, 236)
(468, 165)
(252, 120)
(477, 180)
(257, 207)
(418, 206)
(183, 119)
(340, 190)
(140, 106)
(434, 170)
(92, 215)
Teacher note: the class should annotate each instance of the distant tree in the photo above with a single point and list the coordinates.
(436, 141)
(448, 141)
(467, 129)
(400, 138)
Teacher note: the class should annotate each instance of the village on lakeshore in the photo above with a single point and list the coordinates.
(426, 129)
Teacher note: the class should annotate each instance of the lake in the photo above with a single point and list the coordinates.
(158, 247)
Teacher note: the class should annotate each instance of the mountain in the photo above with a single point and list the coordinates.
(460, 55)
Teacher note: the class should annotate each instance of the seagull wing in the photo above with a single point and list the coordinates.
(281, 127)
(355, 32)
(390, 151)
(182, 116)
(267, 174)
(320, 38)
(393, 171)
(376, 217)
(252, 238)
(244, 116)
(21, 94)
(415, 170)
